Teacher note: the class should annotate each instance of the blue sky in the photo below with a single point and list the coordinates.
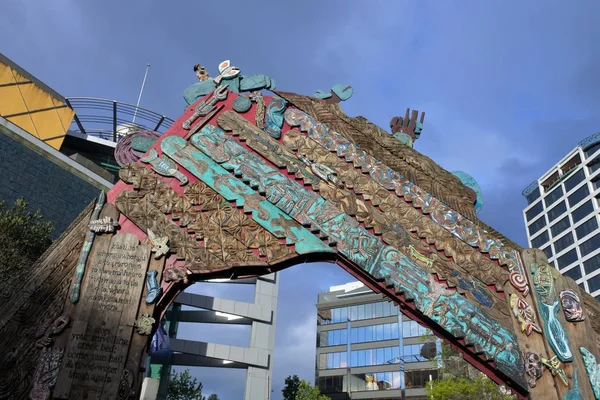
(508, 88)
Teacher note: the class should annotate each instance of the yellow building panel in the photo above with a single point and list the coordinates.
(11, 101)
(8, 75)
(24, 122)
(55, 143)
(66, 116)
(35, 98)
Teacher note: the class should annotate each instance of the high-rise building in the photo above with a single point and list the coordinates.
(562, 214)
(366, 348)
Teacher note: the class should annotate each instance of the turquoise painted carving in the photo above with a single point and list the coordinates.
(164, 166)
(274, 120)
(85, 250)
(142, 144)
(229, 77)
(472, 184)
(451, 220)
(592, 369)
(449, 309)
(242, 104)
(574, 393)
(153, 288)
(232, 189)
(543, 282)
(343, 92)
(479, 291)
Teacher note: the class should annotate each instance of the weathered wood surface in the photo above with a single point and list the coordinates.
(103, 321)
(33, 301)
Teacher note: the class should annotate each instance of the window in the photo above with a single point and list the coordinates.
(362, 311)
(337, 360)
(539, 240)
(574, 180)
(418, 379)
(413, 329)
(592, 264)
(560, 226)
(333, 338)
(557, 211)
(533, 196)
(586, 228)
(563, 242)
(380, 356)
(375, 381)
(594, 165)
(536, 226)
(414, 353)
(590, 245)
(567, 259)
(553, 196)
(373, 333)
(548, 251)
(534, 211)
(592, 149)
(582, 211)
(574, 273)
(578, 195)
(332, 384)
(594, 283)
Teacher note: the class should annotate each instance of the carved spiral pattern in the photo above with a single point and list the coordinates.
(519, 282)
(124, 154)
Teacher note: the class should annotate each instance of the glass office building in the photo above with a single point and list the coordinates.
(366, 349)
(562, 214)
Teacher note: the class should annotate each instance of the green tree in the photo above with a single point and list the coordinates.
(306, 391)
(24, 236)
(290, 390)
(182, 386)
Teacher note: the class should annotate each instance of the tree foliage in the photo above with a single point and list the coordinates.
(290, 390)
(306, 391)
(24, 236)
(182, 386)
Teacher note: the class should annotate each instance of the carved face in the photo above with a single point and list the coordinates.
(533, 367)
(571, 306)
(201, 73)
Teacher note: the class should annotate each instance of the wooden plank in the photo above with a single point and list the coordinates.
(103, 321)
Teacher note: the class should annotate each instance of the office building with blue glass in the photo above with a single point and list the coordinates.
(366, 349)
(562, 214)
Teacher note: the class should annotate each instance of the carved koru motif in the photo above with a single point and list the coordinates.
(164, 166)
(206, 106)
(571, 306)
(519, 282)
(274, 120)
(46, 373)
(153, 288)
(126, 385)
(159, 244)
(555, 369)
(175, 274)
(524, 314)
(103, 225)
(592, 369)
(85, 251)
(533, 367)
(543, 281)
(44, 335)
(144, 324)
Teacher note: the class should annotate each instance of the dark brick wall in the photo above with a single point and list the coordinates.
(59, 194)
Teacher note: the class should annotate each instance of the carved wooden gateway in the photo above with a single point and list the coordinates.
(244, 185)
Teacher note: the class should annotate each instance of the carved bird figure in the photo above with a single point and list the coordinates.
(159, 244)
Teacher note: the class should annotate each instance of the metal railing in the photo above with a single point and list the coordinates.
(111, 119)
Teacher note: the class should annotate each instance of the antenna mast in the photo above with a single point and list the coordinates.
(140, 96)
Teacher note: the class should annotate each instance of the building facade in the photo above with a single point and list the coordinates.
(561, 217)
(366, 348)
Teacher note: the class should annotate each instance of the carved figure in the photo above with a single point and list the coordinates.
(416, 254)
(574, 393)
(229, 76)
(274, 121)
(164, 166)
(207, 105)
(46, 373)
(175, 274)
(85, 251)
(44, 335)
(144, 324)
(406, 130)
(533, 367)
(103, 225)
(159, 244)
(592, 369)
(519, 282)
(571, 306)
(524, 314)
(322, 171)
(242, 104)
(338, 93)
(555, 368)
(152, 286)
(259, 114)
(543, 281)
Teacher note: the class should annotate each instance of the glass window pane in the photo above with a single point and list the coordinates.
(330, 360)
(344, 339)
(594, 283)
(361, 334)
(537, 225)
(361, 312)
(353, 359)
(548, 251)
(582, 211)
(533, 196)
(540, 239)
(564, 242)
(557, 211)
(379, 331)
(387, 332)
(534, 211)
(395, 331)
(566, 259)
(379, 309)
(578, 195)
(560, 226)
(414, 329)
(362, 358)
(592, 149)
(343, 314)
(553, 196)
(590, 245)
(353, 335)
(592, 264)
(574, 273)
(574, 180)
(369, 333)
(586, 228)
